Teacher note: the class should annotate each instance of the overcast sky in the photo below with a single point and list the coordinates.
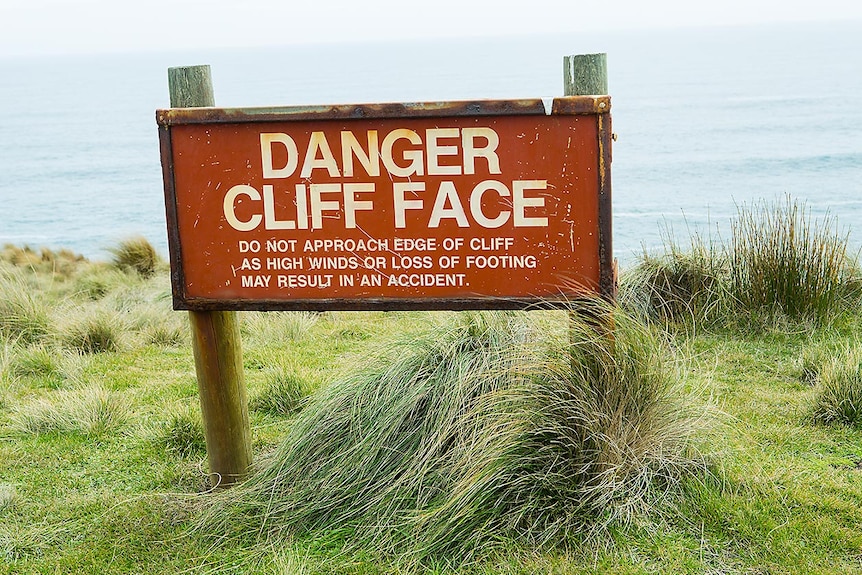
(76, 26)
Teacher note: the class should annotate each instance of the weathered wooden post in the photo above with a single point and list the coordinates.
(216, 338)
(587, 75)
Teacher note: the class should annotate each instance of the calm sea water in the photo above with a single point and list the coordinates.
(707, 120)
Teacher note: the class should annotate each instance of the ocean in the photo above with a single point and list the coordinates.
(707, 120)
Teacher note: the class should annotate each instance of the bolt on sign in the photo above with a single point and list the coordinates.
(456, 205)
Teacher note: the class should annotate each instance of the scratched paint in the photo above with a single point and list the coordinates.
(391, 206)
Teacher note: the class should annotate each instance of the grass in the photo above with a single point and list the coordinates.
(476, 432)
(23, 317)
(136, 255)
(518, 454)
(679, 284)
(285, 393)
(780, 267)
(97, 332)
(90, 411)
(45, 366)
(782, 261)
(182, 434)
(839, 393)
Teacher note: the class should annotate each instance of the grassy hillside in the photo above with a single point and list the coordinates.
(753, 463)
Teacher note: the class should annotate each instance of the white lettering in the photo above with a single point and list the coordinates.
(270, 223)
(318, 143)
(229, 206)
(350, 148)
(476, 204)
(352, 205)
(521, 202)
(266, 142)
(414, 156)
(448, 192)
(435, 150)
(402, 204)
(489, 151)
(318, 205)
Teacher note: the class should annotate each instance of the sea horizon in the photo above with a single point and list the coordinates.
(707, 119)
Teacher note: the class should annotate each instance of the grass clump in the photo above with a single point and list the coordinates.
(678, 285)
(278, 326)
(781, 261)
(62, 262)
(46, 365)
(284, 394)
(90, 411)
(183, 434)
(453, 441)
(23, 317)
(136, 254)
(780, 266)
(98, 281)
(97, 332)
(839, 397)
(8, 495)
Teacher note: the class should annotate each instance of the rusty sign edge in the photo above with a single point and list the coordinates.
(570, 105)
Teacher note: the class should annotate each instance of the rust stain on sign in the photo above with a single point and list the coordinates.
(453, 205)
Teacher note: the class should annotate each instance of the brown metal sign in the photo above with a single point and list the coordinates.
(466, 205)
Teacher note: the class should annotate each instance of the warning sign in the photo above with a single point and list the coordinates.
(402, 206)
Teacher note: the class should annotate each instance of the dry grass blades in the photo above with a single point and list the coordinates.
(490, 427)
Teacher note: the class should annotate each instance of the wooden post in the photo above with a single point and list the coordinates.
(216, 338)
(587, 75)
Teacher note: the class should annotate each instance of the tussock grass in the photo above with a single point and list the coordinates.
(23, 316)
(137, 255)
(679, 285)
(8, 495)
(782, 261)
(183, 433)
(6, 358)
(278, 327)
(89, 411)
(170, 333)
(284, 394)
(96, 330)
(780, 268)
(62, 262)
(155, 323)
(839, 395)
(97, 281)
(49, 366)
(810, 366)
(488, 427)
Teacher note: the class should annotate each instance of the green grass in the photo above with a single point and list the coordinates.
(839, 390)
(285, 393)
(182, 434)
(779, 268)
(137, 255)
(91, 411)
(101, 468)
(23, 317)
(490, 428)
(781, 261)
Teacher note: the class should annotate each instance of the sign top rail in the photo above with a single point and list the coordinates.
(566, 106)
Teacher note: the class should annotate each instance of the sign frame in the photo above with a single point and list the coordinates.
(595, 106)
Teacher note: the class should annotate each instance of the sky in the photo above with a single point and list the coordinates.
(30, 27)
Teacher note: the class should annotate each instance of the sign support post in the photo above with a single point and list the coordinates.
(216, 338)
(587, 75)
